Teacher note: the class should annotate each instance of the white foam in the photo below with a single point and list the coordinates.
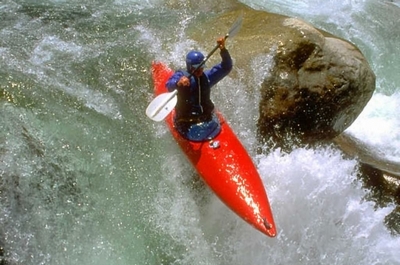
(319, 213)
(379, 125)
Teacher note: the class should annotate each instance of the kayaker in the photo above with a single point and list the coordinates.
(194, 104)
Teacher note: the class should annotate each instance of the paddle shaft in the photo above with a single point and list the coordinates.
(165, 103)
(207, 57)
(175, 92)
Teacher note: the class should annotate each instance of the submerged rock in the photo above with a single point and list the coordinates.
(355, 148)
(378, 174)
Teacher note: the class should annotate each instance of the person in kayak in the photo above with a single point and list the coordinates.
(194, 111)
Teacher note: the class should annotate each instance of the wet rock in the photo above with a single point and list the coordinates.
(355, 148)
(384, 191)
(379, 175)
(315, 91)
(314, 85)
(392, 220)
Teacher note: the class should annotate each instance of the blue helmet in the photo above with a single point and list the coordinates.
(194, 59)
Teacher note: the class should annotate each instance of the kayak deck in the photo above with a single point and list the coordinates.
(225, 166)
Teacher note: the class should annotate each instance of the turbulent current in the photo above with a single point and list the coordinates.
(87, 178)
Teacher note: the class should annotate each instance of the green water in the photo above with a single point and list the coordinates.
(87, 178)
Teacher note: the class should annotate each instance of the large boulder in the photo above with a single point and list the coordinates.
(314, 86)
(317, 88)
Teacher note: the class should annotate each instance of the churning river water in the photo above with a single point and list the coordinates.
(87, 178)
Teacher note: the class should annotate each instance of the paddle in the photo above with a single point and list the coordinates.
(163, 104)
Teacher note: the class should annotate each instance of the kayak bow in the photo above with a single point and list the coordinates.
(225, 166)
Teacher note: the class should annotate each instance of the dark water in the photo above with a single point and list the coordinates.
(86, 178)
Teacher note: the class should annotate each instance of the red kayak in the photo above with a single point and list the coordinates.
(224, 165)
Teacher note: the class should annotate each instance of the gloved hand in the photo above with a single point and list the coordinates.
(221, 43)
(183, 81)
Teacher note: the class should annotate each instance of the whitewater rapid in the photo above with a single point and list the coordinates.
(86, 178)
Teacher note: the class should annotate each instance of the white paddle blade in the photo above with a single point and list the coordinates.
(235, 27)
(161, 106)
